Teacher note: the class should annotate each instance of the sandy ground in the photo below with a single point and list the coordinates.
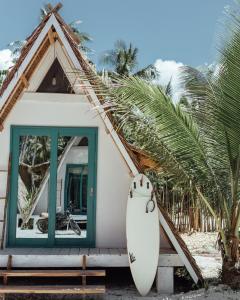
(205, 251)
(219, 292)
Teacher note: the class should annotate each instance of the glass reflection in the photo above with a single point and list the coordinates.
(33, 171)
(72, 181)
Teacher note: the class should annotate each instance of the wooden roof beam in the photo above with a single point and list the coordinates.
(25, 81)
(49, 6)
(149, 163)
(55, 8)
(56, 37)
(51, 36)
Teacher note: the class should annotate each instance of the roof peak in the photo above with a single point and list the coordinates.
(54, 9)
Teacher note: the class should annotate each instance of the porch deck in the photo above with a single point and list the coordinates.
(72, 257)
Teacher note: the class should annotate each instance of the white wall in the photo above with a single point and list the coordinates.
(113, 175)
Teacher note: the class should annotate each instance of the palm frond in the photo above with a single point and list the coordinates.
(174, 128)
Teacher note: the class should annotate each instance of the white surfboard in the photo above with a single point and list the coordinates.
(143, 234)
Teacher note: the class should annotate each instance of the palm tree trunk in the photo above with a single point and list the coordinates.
(230, 266)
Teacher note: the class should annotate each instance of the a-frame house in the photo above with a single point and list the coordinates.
(59, 152)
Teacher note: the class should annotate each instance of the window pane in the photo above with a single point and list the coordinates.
(33, 187)
(72, 190)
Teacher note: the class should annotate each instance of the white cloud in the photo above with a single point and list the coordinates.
(169, 70)
(5, 59)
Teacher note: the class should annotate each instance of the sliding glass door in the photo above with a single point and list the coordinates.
(53, 187)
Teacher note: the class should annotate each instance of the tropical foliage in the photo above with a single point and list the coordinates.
(197, 146)
(34, 162)
(2, 76)
(123, 61)
(122, 58)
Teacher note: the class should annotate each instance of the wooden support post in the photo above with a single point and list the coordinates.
(57, 38)
(5, 280)
(9, 267)
(165, 280)
(9, 263)
(84, 266)
(51, 36)
(5, 206)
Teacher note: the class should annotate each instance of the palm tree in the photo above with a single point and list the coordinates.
(200, 147)
(123, 61)
(123, 58)
(82, 36)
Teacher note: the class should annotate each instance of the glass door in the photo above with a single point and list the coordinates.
(29, 201)
(76, 187)
(53, 187)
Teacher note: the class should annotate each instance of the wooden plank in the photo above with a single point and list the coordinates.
(84, 262)
(104, 251)
(122, 251)
(64, 251)
(52, 273)
(74, 289)
(9, 267)
(56, 37)
(51, 36)
(49, 6)
(5, 204)
(114, 251)
(94, 251)
(84, 266)
(9, 263)
(74, 251)
(57, 7)
(84, 251)
(41, 259)
(178, 247)
(167, 251)
(13, 95)
(25, 81)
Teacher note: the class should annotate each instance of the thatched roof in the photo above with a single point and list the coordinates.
(14, 85)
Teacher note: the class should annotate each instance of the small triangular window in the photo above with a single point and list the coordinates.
(55, 81)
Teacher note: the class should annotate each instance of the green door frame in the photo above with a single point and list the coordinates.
(68, 167)
(53, 132)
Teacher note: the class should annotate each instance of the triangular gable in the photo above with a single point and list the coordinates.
(12, 91)
(17, 81)
(55, 81)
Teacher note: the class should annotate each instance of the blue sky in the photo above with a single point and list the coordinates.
(179, 30)
(168, 33)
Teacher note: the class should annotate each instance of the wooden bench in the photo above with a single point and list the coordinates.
(51, 289)
(52, 273)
